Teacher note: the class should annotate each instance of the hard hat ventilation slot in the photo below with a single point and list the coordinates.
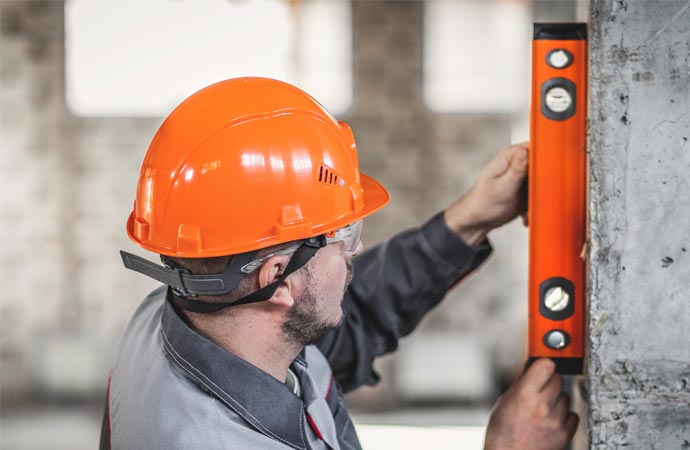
(328, 175)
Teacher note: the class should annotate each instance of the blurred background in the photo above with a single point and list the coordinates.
(432, 89)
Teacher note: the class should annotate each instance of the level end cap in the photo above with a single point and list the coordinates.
(564, 366)
(572, 31)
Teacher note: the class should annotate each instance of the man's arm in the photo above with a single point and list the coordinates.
(395, 285)
(398, 282)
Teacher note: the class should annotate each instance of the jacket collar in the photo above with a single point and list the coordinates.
(264, 402)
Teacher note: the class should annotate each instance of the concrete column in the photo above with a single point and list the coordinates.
(638, 371)
(388, 116)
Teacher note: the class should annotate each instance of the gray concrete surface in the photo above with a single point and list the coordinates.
(639, 269)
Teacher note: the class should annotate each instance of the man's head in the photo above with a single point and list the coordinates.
(317, 308)
(308, 302)
(239, 169)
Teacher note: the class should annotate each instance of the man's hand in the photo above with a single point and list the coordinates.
(498, 196)
(533, 414)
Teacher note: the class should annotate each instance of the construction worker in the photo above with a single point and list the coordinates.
(251, 193)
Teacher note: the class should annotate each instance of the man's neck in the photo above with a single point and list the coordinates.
(246, 337)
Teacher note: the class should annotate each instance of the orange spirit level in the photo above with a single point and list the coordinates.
(557, 169)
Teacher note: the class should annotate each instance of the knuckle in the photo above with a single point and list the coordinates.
(543, 409)
(525, 398)
(564, 400)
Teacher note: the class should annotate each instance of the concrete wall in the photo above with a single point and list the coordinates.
(639, 326)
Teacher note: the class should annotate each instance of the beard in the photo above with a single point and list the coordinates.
(350, 273)
(304, 324)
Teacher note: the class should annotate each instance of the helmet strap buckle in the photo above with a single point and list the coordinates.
(316, 241)
(180, 289)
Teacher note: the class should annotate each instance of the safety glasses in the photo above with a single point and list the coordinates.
(349, 235)
(255, 264)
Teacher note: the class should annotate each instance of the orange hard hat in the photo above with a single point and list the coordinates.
(245, 164)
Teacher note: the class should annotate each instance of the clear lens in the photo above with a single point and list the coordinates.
(253, 265)
(356, 236)
(349, 235)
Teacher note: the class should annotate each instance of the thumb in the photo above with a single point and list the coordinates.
(518, 162)
(510, 160)
(515, 174)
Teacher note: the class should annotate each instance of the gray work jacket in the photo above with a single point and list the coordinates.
(171, 388)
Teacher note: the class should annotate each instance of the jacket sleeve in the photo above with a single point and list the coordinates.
(395, 284)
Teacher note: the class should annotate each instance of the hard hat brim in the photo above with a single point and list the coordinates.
(375, 195)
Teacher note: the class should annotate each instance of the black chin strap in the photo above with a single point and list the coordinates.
(181, 281)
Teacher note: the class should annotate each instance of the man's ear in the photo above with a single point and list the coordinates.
(270, 272)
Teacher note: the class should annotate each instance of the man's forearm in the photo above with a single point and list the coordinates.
(464, 225)
(394, 286)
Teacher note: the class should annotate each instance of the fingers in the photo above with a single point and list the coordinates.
(508, 172)
(513, 157)
(498, 196)
(534, 413)
(552, 388)
(518, 162)
(571, 423)
(524, 198)
(498, 166)
(517, 157)
(511, 161)
(537, 375)
(562, 406)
